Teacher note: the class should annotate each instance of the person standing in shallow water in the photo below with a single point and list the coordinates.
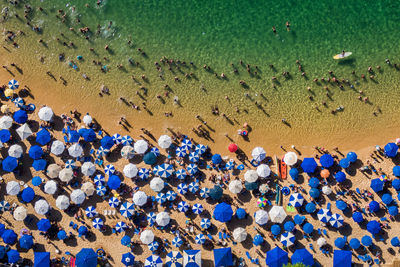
(287, 25)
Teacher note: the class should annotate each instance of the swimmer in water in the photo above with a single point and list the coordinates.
(287, 26)
(273, 29)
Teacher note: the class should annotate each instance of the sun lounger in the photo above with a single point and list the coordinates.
(325, 232)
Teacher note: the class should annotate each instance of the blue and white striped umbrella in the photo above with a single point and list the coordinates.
(155, 170)
(153, 246)
(174, 259)
(194, 157)
(19, 102)
(177, 241)
(120, 227)
(181, 152)
(4, 206)
(192, 169)
(200, 149)
(99, 180)
(181, 174)
(205, 223)
(117, 138)
(151, 218)
(155, 151)
(153, 261)
(230, 165)
(287, 239)
(101, 190)
(171, 195)
(205, 192)
(70, 164)
(324, 215)
(186, 144)
(296, 200)
(113, 202)
(200, 239)
(101, 152)
(165, 170)
(127, 209)
(98, 223)
(13, 84)
(183, 206)
(127, 140)
(144, 173)
(194, 187)
(336, 220)
(91, 211)
(197, 208)
(161, 198)
(109, 169)
(182, 188)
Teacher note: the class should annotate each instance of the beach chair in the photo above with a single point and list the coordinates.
(71, 223)
(210, 237)
(75, 226)
(65, 139)
(325, 232)
(113, 213)
(248, 255)
(328, 206)
(220, 235)
(319, 231)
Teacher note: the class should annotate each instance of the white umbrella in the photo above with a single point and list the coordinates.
(88, 188)
(147, 236)
(15, 151)
(130, 170)
(235, 186)
(13, 188)
(53, 170)
(157, 184)
(261, 217)
(5, 122)
(87, 119)
(88, 168)
(263, 170)
(326, 190)
(140, 146)
(45, 113)
(251, 176)
(162, 218)
(127, 152)
(290, 158)
(75, 150)
(50, 187)
(24, 131)
(20, 213)
(239, 234)
(42, 207)
(62, 202)
(139, 198)
(321, 242)
(277, 214)
(57, 147)
(77, 196)
(164, 141)
(66, 175)
(258, 154)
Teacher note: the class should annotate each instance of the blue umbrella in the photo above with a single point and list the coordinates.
(395, 242)
(240, 213)
(324, 215)
(43, 225)
(194, 187)
(396, 170)
(113, 202)
(109, 169)
(171, 195)
(354, 243)
(13, 84)
(70, 164)
(326, 160)
(117, 138)
(35, 152)
(344, 163)
(358, 217)
(296, 200)
(216, 192)
(311, 207)
(205, 223)
(377, 184)
(101, 190)
(99, 180)
(43, 137)
(336, 220)
(165, 170)
(90, 211)
(128, 259)
(4, 206)
(200, 149)
(182, 188)
(153, 246)
(151, 217)
(13, 256)
(9, 236)
(27, 194)
(62, 235)
(125, 240)
(303, 256)
(314, 193)
(153, 261)
(41, 259)
(216, 159)
(181, 174)
(127, 140)
(82, 230)
(294, 173)
(366, 240)
(26, 242)
(150, 158)
(192, 169)
(144, 173)
(340, 177)
(309, 165)
(275, 229)
(9, 164)
(88, 135)
(298, 219)
(374, 206)
(161, 198)
(187, 144)
(341, 205)
(197, 208)
(73, 136)
(308, 228)
(194, 157)
(183, 206)
(352, 157)
(39, 164)
(2, 229)
(223, 212)
(230, 165)
(98, 223)
(373, 227)
(86, 257)
(258, 240)
(340, 242)
(101, 152)
(223, 257)
(19, 102)
(181, 152)
(20, 116)
(36, 181)
(390, 149)
(200, 239)
(288, 226)
(5, 135)
(114, 182)
(396, 183)
(314, 182)
(276, 257)
(387, 199)
(127, 209)
(204, 192)
(177, 241)
(107, 142)
(393, 210)
(174, 259)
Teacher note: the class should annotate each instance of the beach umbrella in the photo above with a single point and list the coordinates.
(341, 205)
(75, 150)
(308, 228)
(258, 240)
(20, 116)
(352, 157)
(261, 217)
(99, 180)
(183, 206)
(170, 195)
(310, 207)
(128, 259)
(2, 229)
(324, 215)
(200, 239)
(62, 202)
(336, 220)
(197, 208)
(302, 256)
(90, 212)
(276, 257)
(127, 209)
(216, 159)
(357, 217)
(127, 152)
(39, 164)
(340, 242)
(13, 188)
(9, 164)
(239, 234)
(262, 202)
(366, 240)
(43, 225)
(57, 147)
(377, 184)
(200, 149)
(387, 199)
(13, 84)
(390, 149)
(194, 157)
(102, 152)
(113, 202)
(139, 198)
(194, 187)
(147, 236)
(309, 165)
(107, 142)
(117, 139)
(153, 246)
(287, 239)
(326, 160)
(192, 169)
(87, 119)
(27, 195)
(9, 236)
(78, 196)
(20, 213)
(181, 174)
(62, 235)
(230, 165)
(165, 170)
(321, 242)
(314, 182)
(130, 170)
(73, 136)
(275, 229)
(296, 200)
(109, 169)
(15, 151)
(182, 188)
(4, 206)
(251, 176)
(205, 192)
(177, 241)
(294, 173)
(223, 212)
(395, 242)
(232, 147)
(164, 141)
(36, 181)
(35, 152)
(216, 192)
(42, 207)
(151, 218)
(374, 206)
(50, 187)
(6, 122)
(174, 259)
(374, 227)
(157, 184)
(235, 186)
(26, 242)
(13, 256)
(140, 146)
(205, 223)
(192, 258)
(180, 152)
(144, 173)
(396, 183)
(114, 182)
(396, 170)
(393, 210)
(263, 170)
(45, 113)
(86, 257)
(66, 175)
(120, 227)
(153, 261)
(340, 177)
(344, 163)
(314, 193)
(355, 243)
(290, 158)
(277, 214)
(5, 135)
(161, 198)
(223, 257)
(326, 190)
(186, 144)
(258, 154)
